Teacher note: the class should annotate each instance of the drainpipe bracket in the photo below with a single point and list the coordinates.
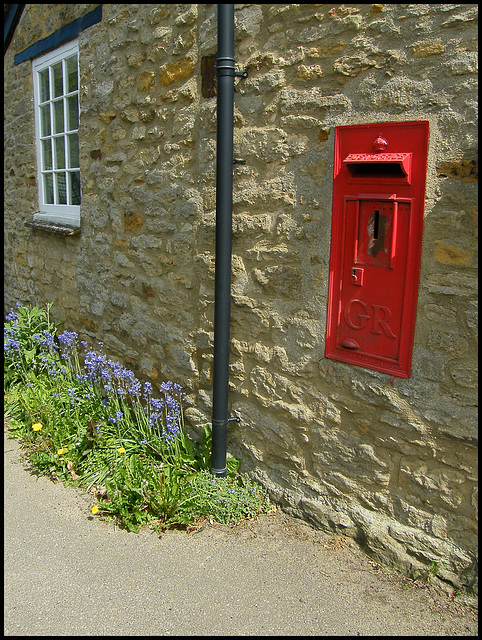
(225, 67)
(223, 423)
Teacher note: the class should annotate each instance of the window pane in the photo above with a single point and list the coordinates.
(58, 116)
(72, 77)
(48, 189)
(47, 154)
(57, 80)
(73, 112)
(45, 120)
(61, 188)
(44, 85)
(73, 158)
(59, 152)
(75, 187)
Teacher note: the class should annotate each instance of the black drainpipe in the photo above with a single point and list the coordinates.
(225, 74)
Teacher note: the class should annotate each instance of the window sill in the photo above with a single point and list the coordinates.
(54, 227)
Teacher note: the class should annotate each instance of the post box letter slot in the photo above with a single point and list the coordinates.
(379, 165)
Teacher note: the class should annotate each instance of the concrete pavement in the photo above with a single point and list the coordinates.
(67, 573)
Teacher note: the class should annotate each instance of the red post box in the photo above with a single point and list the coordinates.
(376, 241)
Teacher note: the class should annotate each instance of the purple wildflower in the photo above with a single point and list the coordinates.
(68, 339)
(10, 317)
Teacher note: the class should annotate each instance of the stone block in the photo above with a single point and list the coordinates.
(176, 71)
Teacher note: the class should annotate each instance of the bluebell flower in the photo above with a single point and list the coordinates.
(128, 375)
(48, 342)
(94, 362)
(147, 389)
(67, 339)
(52, 369)
(10, 317)
(154, 419)
(118, 417)
(11, 344)
(172, 428)
(135, 389)
(157, 404)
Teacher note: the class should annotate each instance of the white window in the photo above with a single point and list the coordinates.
(56, 96)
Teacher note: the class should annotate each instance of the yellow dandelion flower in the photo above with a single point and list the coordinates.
(60, 452)
(94, 509)
(121, 450)
(37, 426)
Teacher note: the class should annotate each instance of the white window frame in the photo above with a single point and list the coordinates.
(60, 213)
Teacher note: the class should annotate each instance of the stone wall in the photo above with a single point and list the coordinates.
(389, 461)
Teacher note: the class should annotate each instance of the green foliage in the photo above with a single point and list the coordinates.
(24, 335)
(227, 500)
(86, 420)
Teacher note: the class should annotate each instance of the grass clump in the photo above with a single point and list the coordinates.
(86, 420)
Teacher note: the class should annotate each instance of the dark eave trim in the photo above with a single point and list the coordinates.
(62, 35)
(11, 16)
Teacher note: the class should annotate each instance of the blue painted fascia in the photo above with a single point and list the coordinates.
(62, 35)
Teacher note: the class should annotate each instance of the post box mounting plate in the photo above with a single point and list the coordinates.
(379, 181)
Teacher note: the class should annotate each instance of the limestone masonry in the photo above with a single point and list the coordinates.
(389, 461)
